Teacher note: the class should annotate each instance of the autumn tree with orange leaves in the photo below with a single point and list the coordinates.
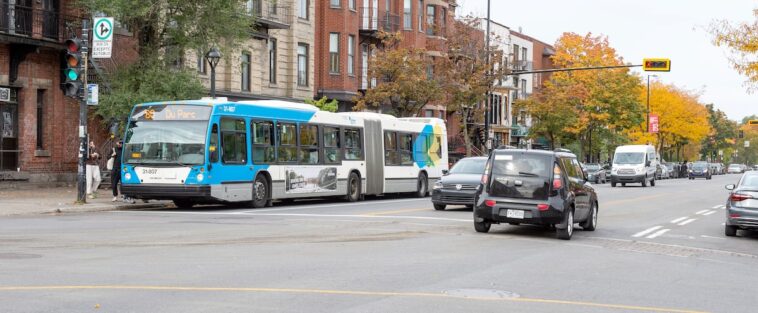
(592, 108)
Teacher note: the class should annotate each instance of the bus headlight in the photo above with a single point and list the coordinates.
(128, 176)
(200, 177)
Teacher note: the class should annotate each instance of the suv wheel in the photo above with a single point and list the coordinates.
(613, 184)
(439, 207)
(482, 227)
(644, 182)
(591, 221)
(567, 232)
(730, 230)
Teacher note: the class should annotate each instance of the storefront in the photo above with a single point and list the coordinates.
(9, 149)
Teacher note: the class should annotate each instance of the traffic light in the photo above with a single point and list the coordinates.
(71, 80)
(753, 123)
(742, 134)
(656, 65)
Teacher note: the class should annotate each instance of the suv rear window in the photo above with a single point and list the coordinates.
(521, 175)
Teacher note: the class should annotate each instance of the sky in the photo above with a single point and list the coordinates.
(637, 29)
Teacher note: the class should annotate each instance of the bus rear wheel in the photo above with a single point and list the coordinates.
(353, 188)
(260, 192)
(421, 186)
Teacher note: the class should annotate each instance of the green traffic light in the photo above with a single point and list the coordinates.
(71, 74)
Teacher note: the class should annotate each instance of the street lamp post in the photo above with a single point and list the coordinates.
(213, 56)
(487, 101)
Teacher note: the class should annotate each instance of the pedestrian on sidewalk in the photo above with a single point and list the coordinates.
(116, 169)
(93, 170)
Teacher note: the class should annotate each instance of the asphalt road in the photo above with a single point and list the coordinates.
(656, 249)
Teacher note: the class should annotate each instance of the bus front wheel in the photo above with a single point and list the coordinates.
(353, 188)
(260, 192)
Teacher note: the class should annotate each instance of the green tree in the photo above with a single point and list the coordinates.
(324, 104)
(166, 30)
(722, 136)
(403, 84)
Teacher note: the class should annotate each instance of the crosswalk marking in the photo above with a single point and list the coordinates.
(658, 233)
(701, 211)
(709, 213)
(647, 231)
(679, 219)
(716, 206)
(687, 222)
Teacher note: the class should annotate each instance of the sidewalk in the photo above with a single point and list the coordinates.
(36, 200)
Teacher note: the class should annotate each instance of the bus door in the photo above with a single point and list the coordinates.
(233, 171)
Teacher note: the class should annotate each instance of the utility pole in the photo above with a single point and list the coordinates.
(81, 177)
(648, 105)
(488, 140)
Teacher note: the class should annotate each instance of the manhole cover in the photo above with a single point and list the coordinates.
(12, 256)
(481, 293)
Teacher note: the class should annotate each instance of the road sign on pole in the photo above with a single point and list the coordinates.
(653, 123)
(102, 38)
(92, 93)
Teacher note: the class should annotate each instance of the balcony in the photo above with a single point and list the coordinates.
(521, 65)
(373, 20)
(269, 14)
(33, 25)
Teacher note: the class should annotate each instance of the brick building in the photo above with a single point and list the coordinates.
(346, 29)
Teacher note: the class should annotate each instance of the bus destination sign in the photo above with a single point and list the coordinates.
(171, 112)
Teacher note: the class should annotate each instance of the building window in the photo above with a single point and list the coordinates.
(428, 113)
(245, 71)
(420, 11)
(430, 71)
(430, 15)
(407, 14)
(302, 64)
(303, 7)
(334, 53)
(351, 4)
(233, 141)
(40, 118)
(334, 3)
(272, 60)
(350, 55)
(443, 21)
(442, 114)
(523, 53)
(201, 62)
(523, 88)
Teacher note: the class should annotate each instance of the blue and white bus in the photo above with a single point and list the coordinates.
(219, 151)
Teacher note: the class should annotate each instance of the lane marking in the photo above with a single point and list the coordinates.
(634, 199)
(706, 236)
(709, 213)
(687, 221)
(701, 211)
(679, 219)
(364, 216)
(398, 211)
(658, 233)
(350, 293)
(722, 206)
(716, 206)
(647, 231)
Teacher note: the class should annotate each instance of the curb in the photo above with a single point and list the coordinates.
(89, 208)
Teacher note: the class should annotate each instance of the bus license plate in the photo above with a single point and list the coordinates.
(514, 214)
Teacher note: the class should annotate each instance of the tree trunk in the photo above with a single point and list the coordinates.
(466, 138)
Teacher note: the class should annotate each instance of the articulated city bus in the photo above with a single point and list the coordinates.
(219, 151)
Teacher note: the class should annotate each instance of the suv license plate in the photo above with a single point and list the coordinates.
(514, 214)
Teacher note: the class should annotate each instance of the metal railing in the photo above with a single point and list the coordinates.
(266, 11)
(33, 22)
(373, 19)
(522, 65)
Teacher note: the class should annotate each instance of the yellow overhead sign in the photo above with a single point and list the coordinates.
(656, 65)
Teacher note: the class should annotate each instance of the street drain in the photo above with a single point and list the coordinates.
(18, 256)
(481, 293)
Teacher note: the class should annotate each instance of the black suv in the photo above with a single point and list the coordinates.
(535, 187)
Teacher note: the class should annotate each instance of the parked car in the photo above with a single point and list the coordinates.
(595, 173)
(673, 169)
(535, 187)
(742, 205)
(735, 169)
(459, 185)
(634, 164)
(662, 172)
(700, 170)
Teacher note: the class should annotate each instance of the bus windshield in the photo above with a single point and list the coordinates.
(165, 142)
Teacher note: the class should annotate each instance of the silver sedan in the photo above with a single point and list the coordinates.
(742, 205)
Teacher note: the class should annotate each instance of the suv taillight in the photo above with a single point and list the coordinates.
(739, 197)
(486, 174)
(557, 181)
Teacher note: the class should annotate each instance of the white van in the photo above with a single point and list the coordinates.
(634, 164)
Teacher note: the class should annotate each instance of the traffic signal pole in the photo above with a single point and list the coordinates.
(81, 177)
